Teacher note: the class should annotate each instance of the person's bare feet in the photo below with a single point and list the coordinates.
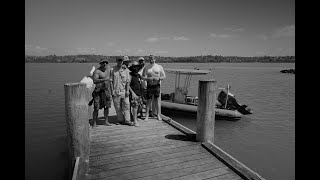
(107, 124)
(136, 124)
(94, 125)
(146, 118)
(159, 118)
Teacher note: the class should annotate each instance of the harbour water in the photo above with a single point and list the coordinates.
(263, 141)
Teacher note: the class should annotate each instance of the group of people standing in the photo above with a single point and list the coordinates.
(131, 85)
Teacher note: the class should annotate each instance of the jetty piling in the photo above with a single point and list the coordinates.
(76, 109)
(206, 110)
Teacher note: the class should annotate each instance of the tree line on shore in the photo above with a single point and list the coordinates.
(160, 59)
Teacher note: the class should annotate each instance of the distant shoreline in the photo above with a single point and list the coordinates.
(161, 59)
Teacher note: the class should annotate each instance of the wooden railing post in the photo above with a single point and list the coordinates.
(77, 97)
(206, 110)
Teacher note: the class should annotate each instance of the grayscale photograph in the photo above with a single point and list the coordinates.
(159, 89)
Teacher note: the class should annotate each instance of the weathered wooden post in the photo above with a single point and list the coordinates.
(77, 97)
(206, 110)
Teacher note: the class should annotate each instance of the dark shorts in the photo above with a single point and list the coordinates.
(153, 90)
(137, 102)
(143, 94)
(101, 99)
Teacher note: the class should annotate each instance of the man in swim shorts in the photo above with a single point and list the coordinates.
(102, 96)
(153, 73)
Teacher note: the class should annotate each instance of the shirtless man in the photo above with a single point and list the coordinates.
(102, 93)
(153, 73)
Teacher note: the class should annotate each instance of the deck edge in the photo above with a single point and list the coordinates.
(239, 168)
(179, 127)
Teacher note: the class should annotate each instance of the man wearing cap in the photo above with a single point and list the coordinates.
(143, 83)
(102, 93)
(121, 81)
(126, 61)
(153, 73)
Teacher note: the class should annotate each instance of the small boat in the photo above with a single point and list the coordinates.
(226, 104)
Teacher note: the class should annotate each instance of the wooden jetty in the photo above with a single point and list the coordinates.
(155, 150)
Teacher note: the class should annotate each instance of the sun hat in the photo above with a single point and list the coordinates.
(126, 58)
(135, 63)
(140, 59)
(104, 61)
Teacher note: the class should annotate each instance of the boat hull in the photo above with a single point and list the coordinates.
(193, 109)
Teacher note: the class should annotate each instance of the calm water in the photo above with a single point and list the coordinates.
(263, 141)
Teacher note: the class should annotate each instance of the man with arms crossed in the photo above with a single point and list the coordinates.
(102, 93)
(153, 73)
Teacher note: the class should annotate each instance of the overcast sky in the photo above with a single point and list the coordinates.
(160, 27)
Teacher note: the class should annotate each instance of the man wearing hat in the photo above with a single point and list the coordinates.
(121, 81)
(102, 96)
(143, 85)
(126, 61)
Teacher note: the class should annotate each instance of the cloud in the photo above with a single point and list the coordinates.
(110, 44)
(86, 50)
(40, 48)
(161, 52)
(36, 50)
(152, 39)
(118, 51)
(260, 53)
(263, 36)
(157, 39)
(234, 29)
(287, 31)
(27, 46)
(219, 35)
(181, 38)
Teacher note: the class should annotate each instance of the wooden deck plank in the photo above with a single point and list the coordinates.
(127, 137)
(150, 163)
(116, 129)
(220, 173)
(131, 130)
(141, 144)
(214, 169)
(147, 155)
(229, 176)
(130, 135)
(157, 169)
(145, 160)
(106, 154)
(155, 150)
(125, 141)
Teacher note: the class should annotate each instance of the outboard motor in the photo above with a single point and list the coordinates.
(232, 103)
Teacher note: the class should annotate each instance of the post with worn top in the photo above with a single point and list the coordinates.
(77, 118)
(206, 110)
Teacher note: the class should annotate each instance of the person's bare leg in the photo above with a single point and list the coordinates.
(135, 114)
(154, 106)
(106, 117)
(158, 106)
(147, 109)
(95, 118)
